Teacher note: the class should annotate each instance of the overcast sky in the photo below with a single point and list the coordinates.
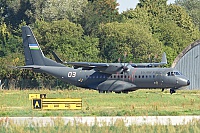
(127, 4)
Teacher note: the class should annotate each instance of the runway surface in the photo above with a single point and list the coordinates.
(137, 120)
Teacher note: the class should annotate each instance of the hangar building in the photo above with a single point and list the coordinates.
(188, 63)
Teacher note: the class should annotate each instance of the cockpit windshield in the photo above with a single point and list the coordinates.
(173, 73)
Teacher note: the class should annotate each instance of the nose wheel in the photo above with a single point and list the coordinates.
(172, 91)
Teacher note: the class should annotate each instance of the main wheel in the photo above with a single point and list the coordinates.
(126, 92)
(100, 91)
(172, 91)
(108, 91)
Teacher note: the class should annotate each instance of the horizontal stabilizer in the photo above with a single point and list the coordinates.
(27, 67)
(58, 60)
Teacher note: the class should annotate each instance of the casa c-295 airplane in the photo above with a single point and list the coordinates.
(104, 77)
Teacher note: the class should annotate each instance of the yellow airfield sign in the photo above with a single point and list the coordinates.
(57, 103)
(36, 96)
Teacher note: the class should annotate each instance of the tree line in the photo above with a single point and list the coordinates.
(93, 31)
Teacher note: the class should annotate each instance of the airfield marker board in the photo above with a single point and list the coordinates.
(57, 103)
(62, 103)
(37, 103)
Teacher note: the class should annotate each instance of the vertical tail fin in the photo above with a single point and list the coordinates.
(33, 53)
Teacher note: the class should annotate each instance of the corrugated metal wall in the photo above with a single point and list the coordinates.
(189, 64)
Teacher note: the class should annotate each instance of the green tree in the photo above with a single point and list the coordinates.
(67, 39)
(97, 12)
(9, 41)
(4, 35)
(130, 37)
(63, 9)
(167, 23)
(16, 11)
(192, 8)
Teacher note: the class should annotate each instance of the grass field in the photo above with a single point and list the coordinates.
(138, 103)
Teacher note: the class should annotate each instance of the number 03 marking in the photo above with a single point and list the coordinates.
(71, 74)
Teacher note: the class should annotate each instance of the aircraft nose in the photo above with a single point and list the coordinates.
(188, 82)
(183, 81)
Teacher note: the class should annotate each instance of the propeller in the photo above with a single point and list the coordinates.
(124, 66)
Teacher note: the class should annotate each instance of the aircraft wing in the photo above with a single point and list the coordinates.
(100, 65)
(110, 68)
(163, 62)
(147, 64)
(87, 64)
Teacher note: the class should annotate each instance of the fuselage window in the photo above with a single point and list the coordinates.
(118, 76)
(142, 76)
(135, 76)
(154, 76)
(125, 76)
(139, 76)
(149, 76)
(146, 76)
(114, 76)
(86, 76)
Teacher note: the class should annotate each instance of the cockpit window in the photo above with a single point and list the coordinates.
(169, 74)
(177, 73)
(173, 73)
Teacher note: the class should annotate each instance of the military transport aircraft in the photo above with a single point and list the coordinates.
(104, 77)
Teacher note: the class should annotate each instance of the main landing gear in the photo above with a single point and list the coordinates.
(172, 91)
(118, 92)
(100, 91)
(124, 92)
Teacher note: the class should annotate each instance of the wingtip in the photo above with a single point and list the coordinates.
(164, 58)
